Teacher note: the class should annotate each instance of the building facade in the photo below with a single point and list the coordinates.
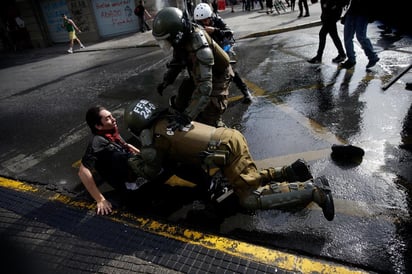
(38, 23)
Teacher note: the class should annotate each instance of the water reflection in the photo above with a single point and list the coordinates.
(404, 179)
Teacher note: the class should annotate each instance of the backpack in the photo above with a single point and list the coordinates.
(136, 11)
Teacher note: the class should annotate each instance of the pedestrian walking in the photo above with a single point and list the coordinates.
(140, 11)
(303, 4)
(71, 28)
(357, 18)
(292, 5)
(269, 6)
(331, 13)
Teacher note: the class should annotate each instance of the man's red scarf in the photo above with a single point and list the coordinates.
(114, 136)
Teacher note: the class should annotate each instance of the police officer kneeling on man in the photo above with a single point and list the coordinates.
(203, 96)
(164, 139)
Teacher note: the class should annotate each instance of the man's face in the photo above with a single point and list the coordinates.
(206, 22)
(108, 122)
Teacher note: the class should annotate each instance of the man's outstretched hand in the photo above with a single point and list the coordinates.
(104, 207)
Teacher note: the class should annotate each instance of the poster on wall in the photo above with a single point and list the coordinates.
(52, 11)
(115, 17)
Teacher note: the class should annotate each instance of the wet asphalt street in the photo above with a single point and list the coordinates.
(300, 110)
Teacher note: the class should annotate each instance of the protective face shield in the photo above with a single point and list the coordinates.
(202, 11)
(165, 45)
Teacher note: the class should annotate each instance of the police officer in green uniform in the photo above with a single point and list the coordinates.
(223, 35)
(163, 140)
(203, 95)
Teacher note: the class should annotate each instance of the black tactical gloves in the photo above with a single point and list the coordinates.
(179, 121)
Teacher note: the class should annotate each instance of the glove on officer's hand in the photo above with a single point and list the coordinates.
(161, 87)
(179, 121)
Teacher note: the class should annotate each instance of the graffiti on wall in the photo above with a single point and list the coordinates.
(52, 11)
(78, 9)
(115, 16)
(115, 12)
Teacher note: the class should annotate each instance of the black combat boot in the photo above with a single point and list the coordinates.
(247, 96)
(322, 195)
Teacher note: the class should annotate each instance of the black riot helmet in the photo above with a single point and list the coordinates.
(140, 115)
(170, 24)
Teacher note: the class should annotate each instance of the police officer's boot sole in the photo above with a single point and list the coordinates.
(324, 199)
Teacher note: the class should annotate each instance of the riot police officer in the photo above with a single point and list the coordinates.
(223, 35)
(202, 96)
(197, 144)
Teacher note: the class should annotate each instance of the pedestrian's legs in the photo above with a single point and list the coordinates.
(146, 25)
(348, 34)
(333, 32)
(141, 23)
(361, 30)
(300, 4)
(305, 4)
(322, 41)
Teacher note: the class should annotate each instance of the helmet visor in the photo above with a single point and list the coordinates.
(165, 45)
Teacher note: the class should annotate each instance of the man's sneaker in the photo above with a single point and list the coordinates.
(315, 60)
(339, 58)
(323, 197)
(70, 50)
(82, 46)
(348, 64)
(371, 63)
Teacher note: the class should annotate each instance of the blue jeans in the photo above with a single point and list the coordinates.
(359, 25)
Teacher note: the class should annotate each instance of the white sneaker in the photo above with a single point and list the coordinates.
(82, 46)
(137, 184)
(70, 50)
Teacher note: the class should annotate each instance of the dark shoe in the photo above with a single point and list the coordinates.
(298, 171)
(300, 15)
(346, 152)
(371, 63)
(247, 97)
(348, 64)
(323, 197)
(306, 15)
(408, 86)
(315, 60)
(339, 58)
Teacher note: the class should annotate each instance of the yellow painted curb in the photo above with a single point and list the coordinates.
(251, 252)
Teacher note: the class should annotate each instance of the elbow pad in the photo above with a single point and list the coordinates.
(205, 56)
(199, 40)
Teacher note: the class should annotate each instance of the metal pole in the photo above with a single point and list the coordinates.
(394, 79)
